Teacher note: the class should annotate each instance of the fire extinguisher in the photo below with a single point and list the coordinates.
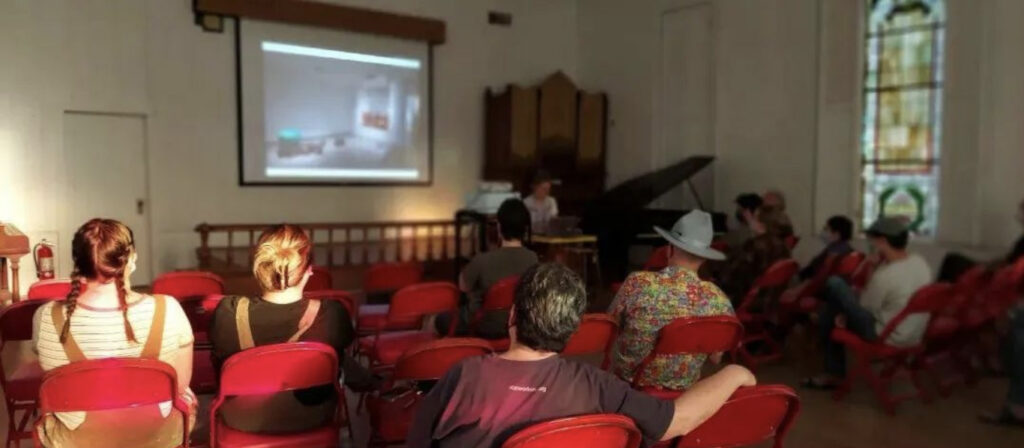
(42, 253)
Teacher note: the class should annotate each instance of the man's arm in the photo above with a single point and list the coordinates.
(705, 398)
(430, 408)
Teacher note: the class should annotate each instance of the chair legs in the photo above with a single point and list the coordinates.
(881, 381)
(18, 430)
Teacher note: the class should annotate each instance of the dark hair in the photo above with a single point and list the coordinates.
(749, 201)
(513, 219)
(540, 177)
(100, 250)
(841, 225)
(550, 301)
(898, 242)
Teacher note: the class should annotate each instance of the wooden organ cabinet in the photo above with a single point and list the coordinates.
(552, 126)
(13, 246)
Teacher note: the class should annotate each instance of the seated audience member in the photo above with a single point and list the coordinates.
(954, 263)
(282, 267)
(540, 203)
(648, 301)
(739, 233)
(103, 318)
(891, 286)
(1012, 413)
(775, 199)
(836, 236)
(747, 262)
(484, 400)
(488, 268)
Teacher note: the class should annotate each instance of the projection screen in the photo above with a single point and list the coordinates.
(320, 106)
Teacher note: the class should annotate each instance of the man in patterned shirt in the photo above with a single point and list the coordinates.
(648, 301)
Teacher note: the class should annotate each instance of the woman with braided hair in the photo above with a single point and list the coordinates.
(103, 318)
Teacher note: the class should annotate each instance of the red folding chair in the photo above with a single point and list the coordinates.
(21, 387)
(596, 334)
(384, 279)
(181, 284)
(106, 384)
(199, 310)
(278, 368)
(690, 335)
(773, 281)
(499, 297)
(791, 241)
(409, 305)
(751, 416)
(320, 280)
(390, 417)
(591, 431)
(849, 264)
(49, 289)
(930, 299)
(860, 277)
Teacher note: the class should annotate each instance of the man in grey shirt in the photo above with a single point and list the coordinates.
(488, 268)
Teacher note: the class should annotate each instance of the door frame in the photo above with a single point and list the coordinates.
(148, 258)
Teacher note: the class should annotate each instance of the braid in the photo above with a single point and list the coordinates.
(122, 298)
(70, 303)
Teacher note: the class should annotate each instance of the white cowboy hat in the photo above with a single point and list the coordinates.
(693, 233)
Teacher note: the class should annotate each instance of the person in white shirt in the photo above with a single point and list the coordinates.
(540, 203)
(886, 294)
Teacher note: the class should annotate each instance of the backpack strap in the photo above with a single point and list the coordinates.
(154, 342)
(312, 309)
(245, 341)
(71, 348)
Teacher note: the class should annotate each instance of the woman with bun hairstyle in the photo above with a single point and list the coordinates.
(103, 318)
(282, 267)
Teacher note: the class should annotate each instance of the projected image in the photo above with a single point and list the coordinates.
(349, 116)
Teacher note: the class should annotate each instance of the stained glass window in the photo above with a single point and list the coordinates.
(902, 111)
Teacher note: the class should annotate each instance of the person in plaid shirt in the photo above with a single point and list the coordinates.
(648, 301)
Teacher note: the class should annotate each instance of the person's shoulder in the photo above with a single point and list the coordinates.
(46, 310)
(228, 304)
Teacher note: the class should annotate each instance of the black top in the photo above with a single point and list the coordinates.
(483, 401)
(275, 323)
(1018, 251)
(837, 248)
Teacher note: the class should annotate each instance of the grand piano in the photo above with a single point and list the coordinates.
(619, 216)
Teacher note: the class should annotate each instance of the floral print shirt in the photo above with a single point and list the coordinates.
(648, 301)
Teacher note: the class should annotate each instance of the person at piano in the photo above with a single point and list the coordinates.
(746, 206)
(753, 258)
(542, 206)
(648, 301)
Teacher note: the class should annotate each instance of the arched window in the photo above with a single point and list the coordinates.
(902, 111)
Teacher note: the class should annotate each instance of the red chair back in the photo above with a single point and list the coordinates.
(929, 299)
(658, 259)
(49, 289)
(1005, 288)
(343, 297)
(16, 320)
(392, 276)
(752, 415)
(596, 334)
(424, 299)
(707, 335)
(181, 284)
(320, 280)
(791, 241)
(776, 277)
(848, 264)
(591, 431)
(500, 295)
(966, 290)
(859, 279)
(103, 384)
(430, 361)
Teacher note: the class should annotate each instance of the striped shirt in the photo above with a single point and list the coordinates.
(99, 332)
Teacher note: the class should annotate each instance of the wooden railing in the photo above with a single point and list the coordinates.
(230, 247)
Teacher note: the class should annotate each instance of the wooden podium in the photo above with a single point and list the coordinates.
(13, 246)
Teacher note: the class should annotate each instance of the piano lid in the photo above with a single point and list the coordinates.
(637, 193)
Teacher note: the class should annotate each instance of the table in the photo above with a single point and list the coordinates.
(563, 247)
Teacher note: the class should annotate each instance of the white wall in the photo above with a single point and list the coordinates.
(148, 57)
(788, 79)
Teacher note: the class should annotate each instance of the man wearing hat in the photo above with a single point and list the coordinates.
(648, 301)
(899, 276)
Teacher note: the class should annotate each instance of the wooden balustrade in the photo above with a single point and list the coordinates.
(342, 245)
